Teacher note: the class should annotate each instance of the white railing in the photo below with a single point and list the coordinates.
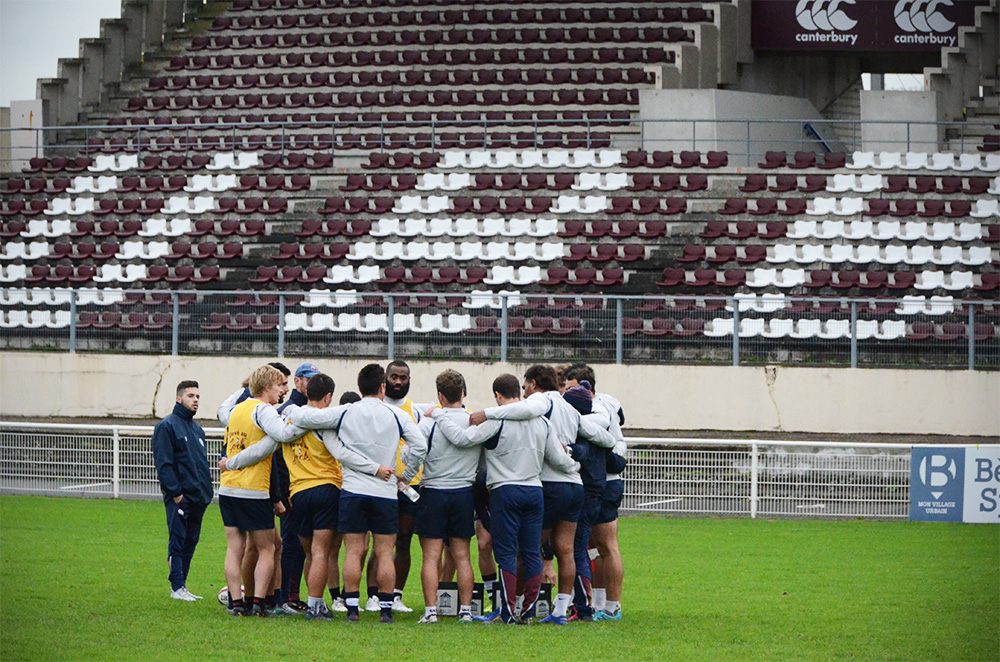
(669, 476)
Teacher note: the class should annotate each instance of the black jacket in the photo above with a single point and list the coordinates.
(180, 457)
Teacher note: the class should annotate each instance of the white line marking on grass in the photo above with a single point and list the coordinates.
(82, 487)
(654, 503)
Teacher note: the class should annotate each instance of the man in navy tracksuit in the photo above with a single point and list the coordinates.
(182, 467)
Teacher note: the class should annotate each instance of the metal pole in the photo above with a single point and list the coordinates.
(748, 143)
(972, 337)
(175, 323)
(854, 334)
(72, 321)
(392, 327)
(754, 470)
(736, 332)
(619, 334)
(281, 325)
(116, 452)
(503, 328)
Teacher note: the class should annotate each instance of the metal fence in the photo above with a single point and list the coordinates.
(509, 326)
(666, 476)
(745, 140)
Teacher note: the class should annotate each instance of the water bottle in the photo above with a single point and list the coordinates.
(408, 490)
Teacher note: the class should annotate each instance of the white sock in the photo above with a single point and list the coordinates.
(598, 596)
(519, 603)
(430, 611)
(315, 602)
(561, 604)
(464, 609)
(611, 606)
(351, 602)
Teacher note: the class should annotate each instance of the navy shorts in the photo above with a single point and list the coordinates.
(360, 513)
(562, 503)
(407, 507)
(481, 500)
(246, 514)
(611, 501)
(445, 514)
(315, 509)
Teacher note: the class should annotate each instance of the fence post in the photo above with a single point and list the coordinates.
(503, 328)
(748, 143)
(754, 469)
(281, 325)
(736, 331)
(391, 324)
(619, 333)
(72, 321)
(175, 322)
(116, 453)
(854, 334)
(972, 337)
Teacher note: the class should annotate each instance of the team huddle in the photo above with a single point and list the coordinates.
(536, 480)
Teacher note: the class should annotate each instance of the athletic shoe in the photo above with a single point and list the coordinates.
(607, 616)
(238, 611)
(182, 594)
(554, 620)
(292, 609)
(387, 618)
(488, 618)
(190, 594)
(339, 605)
(372, 604)
(524, 620)
(465, 618)
(319, 613)
(428, 618)
(278, 611)
(258, 611)
(353, 617)
(397, 605)
(224, 596)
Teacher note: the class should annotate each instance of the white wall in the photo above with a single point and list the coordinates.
(883, 106)
(676, 397)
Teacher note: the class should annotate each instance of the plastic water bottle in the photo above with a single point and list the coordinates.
(408, 490)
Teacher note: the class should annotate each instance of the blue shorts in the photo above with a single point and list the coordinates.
(562, 503)
(409, 508)
(614, 490)
(246, 514)
(315, 509)
(360, 513)
(445, 514)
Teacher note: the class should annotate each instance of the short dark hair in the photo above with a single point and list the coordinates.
(451, 385)
(280, 366)
(185, 385)
(370, 379)
(319, 386)
(398, 363)
(348, 397)
(507, 386)
(544, 377)
(581, 372)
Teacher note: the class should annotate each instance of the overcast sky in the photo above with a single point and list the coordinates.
(34, 34)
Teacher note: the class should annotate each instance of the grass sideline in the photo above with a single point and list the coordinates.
(84, 579)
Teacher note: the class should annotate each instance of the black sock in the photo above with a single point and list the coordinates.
(352, 609)
(372, 591)
(385, 599)
(271, 601)
(262, 602)
(233, 604)
(334, 593)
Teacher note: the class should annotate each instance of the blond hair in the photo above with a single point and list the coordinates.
(263, 378)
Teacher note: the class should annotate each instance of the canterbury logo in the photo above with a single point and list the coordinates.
(825, 15)
(922, 16)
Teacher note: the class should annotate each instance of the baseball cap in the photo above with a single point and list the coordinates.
(306, 370)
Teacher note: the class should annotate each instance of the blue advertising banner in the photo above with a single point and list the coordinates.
(937, 484)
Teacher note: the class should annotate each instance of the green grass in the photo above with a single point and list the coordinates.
(86, 580)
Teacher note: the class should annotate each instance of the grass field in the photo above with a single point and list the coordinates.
(86, 580)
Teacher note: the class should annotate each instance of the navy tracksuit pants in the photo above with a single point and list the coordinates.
(184, 526)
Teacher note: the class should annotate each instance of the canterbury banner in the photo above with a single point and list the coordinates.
(859, 25)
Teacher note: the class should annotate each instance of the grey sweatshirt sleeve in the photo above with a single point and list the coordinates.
(270, 421)
(253, 454)
(595, 433)
(312, 418)
(417, 442)
(347, 457)
(471, 436)
(226, 408)
(556, 455)
(599, 415)
(531, 407)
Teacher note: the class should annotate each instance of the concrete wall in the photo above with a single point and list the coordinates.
(884, 106)
(817, 400)
(24, 115)
(732, 137)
